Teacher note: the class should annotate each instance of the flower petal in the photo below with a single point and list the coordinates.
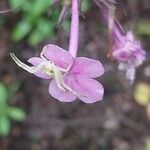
(35, 61)
(59, 94)
(57, 55)
(130, 75)
(89, 90)
(130, 36)
(88, 67)
(121, 55)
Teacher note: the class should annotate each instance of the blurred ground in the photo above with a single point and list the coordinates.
(116, 123)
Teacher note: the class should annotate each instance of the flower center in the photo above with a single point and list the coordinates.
(48, 70)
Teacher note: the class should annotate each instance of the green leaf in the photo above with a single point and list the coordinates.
(3, 94)
(39, 7)
(43, 30)
(3, 110)
(55, 15)
(16, 114)
(4, 126)
(16, 3)
(27, 7)
(21, 30)
(35, 38)
(85, 5)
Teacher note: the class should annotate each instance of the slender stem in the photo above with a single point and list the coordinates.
(74, 33)
(111, 15)
(62, 14)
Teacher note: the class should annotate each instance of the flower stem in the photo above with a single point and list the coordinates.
(111, 16)
(74, 33)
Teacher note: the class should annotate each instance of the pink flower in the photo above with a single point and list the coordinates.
(70, 77)
(125, 49)
(78, 78)
(128, 52)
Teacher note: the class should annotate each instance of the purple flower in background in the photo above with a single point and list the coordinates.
(70, 77)
(122, 47)
(128, 52)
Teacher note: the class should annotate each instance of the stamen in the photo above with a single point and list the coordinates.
(48, 68)
(21, 64)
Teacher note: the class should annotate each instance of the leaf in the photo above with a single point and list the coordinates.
(44, 30)
(3, 110)
(85, 5)
(55, 15)
(3, 94)
(27, 7)
(4, 126)
(34, 38)
(16, 114)
(142, 94)
(16, 3)
(39, 7)
(21, 30)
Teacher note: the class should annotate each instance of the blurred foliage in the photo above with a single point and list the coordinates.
(85, 5)
(143, 28)
(147, 147)
(34, 24)
(8, 112)
(142, 96)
